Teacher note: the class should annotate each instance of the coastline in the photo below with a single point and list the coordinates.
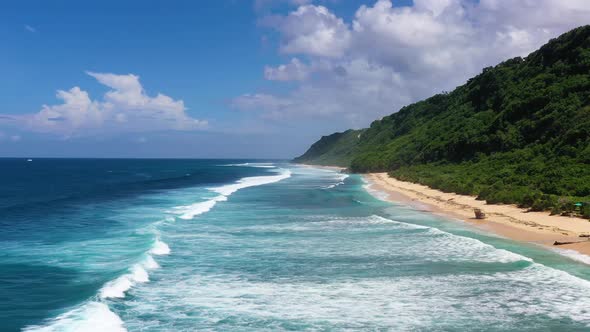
(505, 220)
(333, 168)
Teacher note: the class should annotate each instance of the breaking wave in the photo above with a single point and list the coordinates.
(190, 211)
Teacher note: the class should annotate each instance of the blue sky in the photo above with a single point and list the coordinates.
(187, 50)
(239, 78)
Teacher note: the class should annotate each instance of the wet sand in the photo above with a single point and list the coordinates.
(508, 221)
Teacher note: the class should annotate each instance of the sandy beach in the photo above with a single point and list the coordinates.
(505, 220)
(333, 168)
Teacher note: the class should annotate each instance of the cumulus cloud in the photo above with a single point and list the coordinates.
(293, 71)
(350, 92)
(311, 30)
(124, 108)
(388, 56)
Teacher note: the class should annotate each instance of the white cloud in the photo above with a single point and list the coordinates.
(312, 30)
(125, 108)
(127, 93)
(76, 113)
(30, 28)
(293, 71)
(388, 56)
(412, 39)
(435, 7)
(351, 91)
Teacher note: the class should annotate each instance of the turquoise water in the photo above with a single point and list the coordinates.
(236, 246)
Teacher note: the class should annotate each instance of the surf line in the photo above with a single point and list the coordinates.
(95, 314)
(137, 274)
(188, 212)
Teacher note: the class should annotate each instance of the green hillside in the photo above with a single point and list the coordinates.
(518, 132)
(337, 149)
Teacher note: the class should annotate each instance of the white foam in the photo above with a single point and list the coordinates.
(150, 263)
(251, 182)
(90, 317)
(117, 287)
(438, 245)
(193, 210)
(573, 255)
(428, 244)
(500, 298)
(137, 274)
(370, 220)
(458, 248)
(379, 219)
(190, 211)
(380, 195)
(342, 177)
(402, 303)
(160, 248)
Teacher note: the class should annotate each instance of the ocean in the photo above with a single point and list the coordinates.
(238, 245)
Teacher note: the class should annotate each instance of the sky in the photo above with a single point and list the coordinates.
(241, 78)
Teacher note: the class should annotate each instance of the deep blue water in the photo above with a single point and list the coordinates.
(234, 245)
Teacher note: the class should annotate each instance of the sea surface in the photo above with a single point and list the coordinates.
(237, 245)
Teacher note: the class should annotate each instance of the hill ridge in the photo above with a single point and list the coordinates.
(518, 132)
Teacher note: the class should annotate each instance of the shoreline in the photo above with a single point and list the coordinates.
(332, 168)
(505, 220)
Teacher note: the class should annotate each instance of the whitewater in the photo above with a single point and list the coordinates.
(96, 315)
(271, 246)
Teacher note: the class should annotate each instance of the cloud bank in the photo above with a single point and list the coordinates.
(388, 56)
(125, 108)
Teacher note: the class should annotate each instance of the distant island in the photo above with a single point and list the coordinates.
(518, 133)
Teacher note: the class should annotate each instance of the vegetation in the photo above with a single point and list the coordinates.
(518, 132)
(337, 149)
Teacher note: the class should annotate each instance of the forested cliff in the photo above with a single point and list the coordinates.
(518, 132)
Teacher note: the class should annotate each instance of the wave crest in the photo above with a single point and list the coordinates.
(251, 182)
(160, 248)
(188, 212)
(138, 273)
(90, 317)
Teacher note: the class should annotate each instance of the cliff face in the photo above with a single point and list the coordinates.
(521, 128)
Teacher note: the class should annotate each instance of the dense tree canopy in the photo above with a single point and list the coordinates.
(518, 132)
